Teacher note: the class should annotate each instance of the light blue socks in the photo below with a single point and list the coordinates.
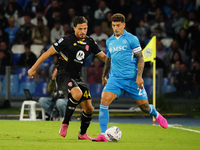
(103, 117)
(153, 111)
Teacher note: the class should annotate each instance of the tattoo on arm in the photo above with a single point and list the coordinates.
(140, 64)
(106, 69)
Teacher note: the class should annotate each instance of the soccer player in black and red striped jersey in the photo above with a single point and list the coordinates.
(73, 50)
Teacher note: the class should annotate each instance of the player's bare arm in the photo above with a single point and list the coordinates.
(103, 57)
(106, 71)
(43, 57)
(140, 66)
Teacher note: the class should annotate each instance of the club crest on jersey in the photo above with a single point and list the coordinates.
(70, 84)
(87, 47)
(124, 41)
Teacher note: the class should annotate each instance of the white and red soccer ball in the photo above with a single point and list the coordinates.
(113, 133)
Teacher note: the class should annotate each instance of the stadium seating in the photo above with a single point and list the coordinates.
(18, 49)
(25, 78)
(166, 81)
(26, 85)
(21, 72)
(41, 89)
(168, 89)
(14, 85)
(148, 81)
(16, 58)
(149, 90)
(96, 89)
(36, 49)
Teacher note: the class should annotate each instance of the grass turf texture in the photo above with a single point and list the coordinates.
(19, 135)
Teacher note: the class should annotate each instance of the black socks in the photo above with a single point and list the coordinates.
(71, 106)
(85, 122)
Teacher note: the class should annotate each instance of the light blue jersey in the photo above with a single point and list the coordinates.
(121, 51)
(124, 65)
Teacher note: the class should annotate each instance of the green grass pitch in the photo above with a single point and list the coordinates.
(43, 135)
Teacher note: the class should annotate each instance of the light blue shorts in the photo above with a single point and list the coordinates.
(129, 86)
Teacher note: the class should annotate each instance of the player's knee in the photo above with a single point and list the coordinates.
(77, 95)
(106, 101)
(107, 98)
(88, 110)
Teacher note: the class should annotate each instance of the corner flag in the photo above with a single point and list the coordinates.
(149, 52)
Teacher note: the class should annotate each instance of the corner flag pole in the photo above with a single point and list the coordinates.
(149, 54)
(154, 86)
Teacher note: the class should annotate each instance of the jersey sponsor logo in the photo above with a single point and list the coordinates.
(81, 42)
(80, 55)
(60, 40)
(87, 47)
(118, 48)
(70, 84)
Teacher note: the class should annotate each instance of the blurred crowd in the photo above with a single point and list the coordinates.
(42, 22)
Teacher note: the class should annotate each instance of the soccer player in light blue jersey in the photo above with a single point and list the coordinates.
(123, 71)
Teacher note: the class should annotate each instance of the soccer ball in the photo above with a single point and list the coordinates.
(113, 133)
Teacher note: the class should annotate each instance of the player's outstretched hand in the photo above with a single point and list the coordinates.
(140, 82)
(31, 73)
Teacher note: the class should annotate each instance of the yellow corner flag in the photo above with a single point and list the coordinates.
(149, 52)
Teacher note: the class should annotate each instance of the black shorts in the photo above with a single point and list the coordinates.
(66, 83)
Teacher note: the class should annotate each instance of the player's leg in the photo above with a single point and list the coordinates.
(150, 109)
(73, 100)
(106, 99)
(145, 107)
(86, 117)
(141, 98)
(110, 92)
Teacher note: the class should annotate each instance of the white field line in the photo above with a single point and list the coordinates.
(181, 128)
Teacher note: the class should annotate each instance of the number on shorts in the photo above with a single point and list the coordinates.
(141, 92)
(86, 94)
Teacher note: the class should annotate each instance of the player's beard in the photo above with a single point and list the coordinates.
(82, 36)
(117, 33)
